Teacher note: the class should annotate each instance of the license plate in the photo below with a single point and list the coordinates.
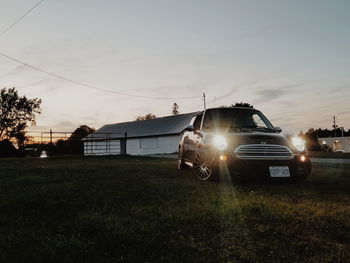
(279, 171)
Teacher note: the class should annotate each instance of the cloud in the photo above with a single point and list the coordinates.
(344, 113)
(19, 69)
(62, 126)
(181, 90)
(266, 95)
(340, 88)
(223, 96)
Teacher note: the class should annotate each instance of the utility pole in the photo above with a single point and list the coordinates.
(51, 136)
(51, 146)
(204, 103)
(335, 126)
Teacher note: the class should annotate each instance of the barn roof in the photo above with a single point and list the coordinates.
(174, 124)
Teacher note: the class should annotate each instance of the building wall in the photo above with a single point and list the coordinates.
(153, 145)
(336, 143)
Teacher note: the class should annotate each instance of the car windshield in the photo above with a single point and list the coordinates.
(234, 119)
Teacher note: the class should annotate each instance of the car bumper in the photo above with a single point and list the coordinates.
(299, 166)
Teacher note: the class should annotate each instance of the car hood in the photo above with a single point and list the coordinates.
(236, 139)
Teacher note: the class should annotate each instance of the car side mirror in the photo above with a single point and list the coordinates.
(278, 129)
(189, 128)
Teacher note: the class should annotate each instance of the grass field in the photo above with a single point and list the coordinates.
(142, 210)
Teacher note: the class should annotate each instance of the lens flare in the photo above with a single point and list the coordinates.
(220, 142)
(298, 143)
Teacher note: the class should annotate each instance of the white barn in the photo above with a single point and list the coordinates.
(336, 143)
(156, 136)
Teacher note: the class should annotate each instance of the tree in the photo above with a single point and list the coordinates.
(7, 149)
(74, 143)
(310, 137)
(62, 147)
(81, 132)
(243, 105)
(175, 109)
(15, 114)
(148, 116)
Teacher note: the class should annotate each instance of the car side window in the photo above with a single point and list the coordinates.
(258, 122)
(197, 122)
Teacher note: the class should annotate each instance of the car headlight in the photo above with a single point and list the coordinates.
(298, 143)
(220, 142)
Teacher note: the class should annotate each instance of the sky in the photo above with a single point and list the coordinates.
(290, 59)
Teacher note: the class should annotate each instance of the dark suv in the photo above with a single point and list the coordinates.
(241, 142)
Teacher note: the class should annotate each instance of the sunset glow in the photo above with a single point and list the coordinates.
(291, 61)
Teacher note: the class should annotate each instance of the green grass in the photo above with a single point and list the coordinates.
(142, 210)
(335, 155)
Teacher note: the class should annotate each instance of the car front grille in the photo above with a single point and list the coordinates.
(263, 152)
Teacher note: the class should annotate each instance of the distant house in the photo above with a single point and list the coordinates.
(341, 144)
(156, 136)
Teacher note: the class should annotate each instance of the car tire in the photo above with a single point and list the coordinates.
(203, 166)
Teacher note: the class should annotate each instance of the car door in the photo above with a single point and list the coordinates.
(185, 145)
(194, 137)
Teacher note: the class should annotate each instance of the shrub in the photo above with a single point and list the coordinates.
(7, 149)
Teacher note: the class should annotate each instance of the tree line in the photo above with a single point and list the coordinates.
(312, 137)
(17, 112)
(73, 145)
(149, 116)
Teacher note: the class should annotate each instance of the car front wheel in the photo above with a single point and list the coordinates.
(203, 165)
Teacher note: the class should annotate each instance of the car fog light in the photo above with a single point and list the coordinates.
(220, 142)
(223, 157)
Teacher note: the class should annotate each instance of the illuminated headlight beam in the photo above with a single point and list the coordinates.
(298, 143)
(220, 142)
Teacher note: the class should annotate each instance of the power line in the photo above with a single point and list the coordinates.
(74, 81)
(19, 19)
(91, 86)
